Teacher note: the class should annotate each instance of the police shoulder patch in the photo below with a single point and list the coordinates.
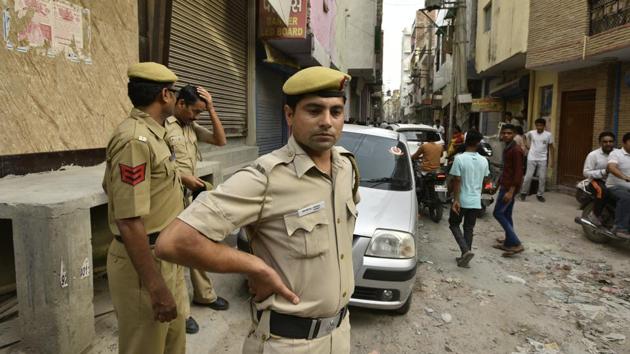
(132, 175)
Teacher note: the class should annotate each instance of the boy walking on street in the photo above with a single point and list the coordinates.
(509, 184)
(470, 170)
(540, 143)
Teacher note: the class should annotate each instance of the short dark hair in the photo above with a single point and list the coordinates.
(509, 114)
(540, 121)
(602, 135)
(190, 95)
(626, 137)
(508, 126)
(143, 92)
(473, 138)
(437, 120)
(457, 128)
(519, 130)
(432, 136)
(293, 100)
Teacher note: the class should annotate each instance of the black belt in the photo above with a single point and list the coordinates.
(289, 326)
(152, 238)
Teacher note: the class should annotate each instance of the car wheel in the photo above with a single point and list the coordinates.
(405, 307)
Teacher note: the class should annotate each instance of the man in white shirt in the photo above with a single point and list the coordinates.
(540, 145)
(618, 183)
(439, 127)
(595, 170)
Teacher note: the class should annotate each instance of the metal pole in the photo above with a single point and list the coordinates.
(430, 73)
(461, 42)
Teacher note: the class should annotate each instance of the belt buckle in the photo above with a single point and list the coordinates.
(326, 326)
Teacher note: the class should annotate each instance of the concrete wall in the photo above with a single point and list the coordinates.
(359, 49)
(55, 104)
(322, 23)
(507, 36)
(539, 80)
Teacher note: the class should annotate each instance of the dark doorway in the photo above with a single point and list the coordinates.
(576, 134)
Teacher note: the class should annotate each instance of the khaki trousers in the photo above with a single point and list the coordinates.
(203, 290)
(260, 342)
(138, 332)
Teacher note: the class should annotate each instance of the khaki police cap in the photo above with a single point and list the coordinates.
(152, 72)
(315, 79)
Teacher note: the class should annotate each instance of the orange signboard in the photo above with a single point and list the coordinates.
(271, 26)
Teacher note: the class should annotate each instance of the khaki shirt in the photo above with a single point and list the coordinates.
(183, 142)
(431, 154)
(141, 178)
(306, 227)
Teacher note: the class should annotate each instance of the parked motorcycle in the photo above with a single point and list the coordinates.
(585, 195)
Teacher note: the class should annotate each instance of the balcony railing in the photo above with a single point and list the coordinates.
(608, 14)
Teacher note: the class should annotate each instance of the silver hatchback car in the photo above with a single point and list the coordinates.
(384, 244)
(384, 241)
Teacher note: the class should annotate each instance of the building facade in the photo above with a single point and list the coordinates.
(580, 52)
(423, 44)
(407, 98)
(501, 51)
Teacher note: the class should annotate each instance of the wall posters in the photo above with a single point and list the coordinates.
(49, 27)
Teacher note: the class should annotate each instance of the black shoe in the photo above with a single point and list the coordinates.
(465, 259)
(541, 198)
(220, 304)
(191, 326)
(523, 196)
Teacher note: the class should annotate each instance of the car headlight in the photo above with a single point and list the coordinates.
(392, 244)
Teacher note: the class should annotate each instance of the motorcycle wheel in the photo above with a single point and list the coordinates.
(590, 234)
(435, 212)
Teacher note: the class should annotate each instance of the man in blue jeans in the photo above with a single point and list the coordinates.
(470, 170)
(509, 185)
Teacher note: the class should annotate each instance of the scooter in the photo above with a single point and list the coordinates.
(585, 195)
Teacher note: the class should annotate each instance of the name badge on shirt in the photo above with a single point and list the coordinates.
(311, 209)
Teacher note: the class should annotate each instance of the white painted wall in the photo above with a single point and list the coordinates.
(356, 19)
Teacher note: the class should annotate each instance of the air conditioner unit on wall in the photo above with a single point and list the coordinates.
(431, 5)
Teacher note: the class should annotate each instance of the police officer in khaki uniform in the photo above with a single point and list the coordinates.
(145, 194)
(298, 206)
(183, 134)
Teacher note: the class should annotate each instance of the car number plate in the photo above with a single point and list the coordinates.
(440, 188)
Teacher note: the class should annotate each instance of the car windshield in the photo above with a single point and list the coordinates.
(383, 162)
(414, 135)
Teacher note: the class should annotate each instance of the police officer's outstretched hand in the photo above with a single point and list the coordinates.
(163, 303)
(265, 282)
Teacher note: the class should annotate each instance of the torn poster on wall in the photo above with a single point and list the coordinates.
(47, 27)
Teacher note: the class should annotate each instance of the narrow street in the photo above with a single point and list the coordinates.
(564, 294)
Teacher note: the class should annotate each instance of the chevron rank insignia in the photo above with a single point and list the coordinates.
(132, 175)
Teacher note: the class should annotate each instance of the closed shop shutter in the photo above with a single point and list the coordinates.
(208, 47)
(270, 124)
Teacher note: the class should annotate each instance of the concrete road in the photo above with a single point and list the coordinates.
(564, 294)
